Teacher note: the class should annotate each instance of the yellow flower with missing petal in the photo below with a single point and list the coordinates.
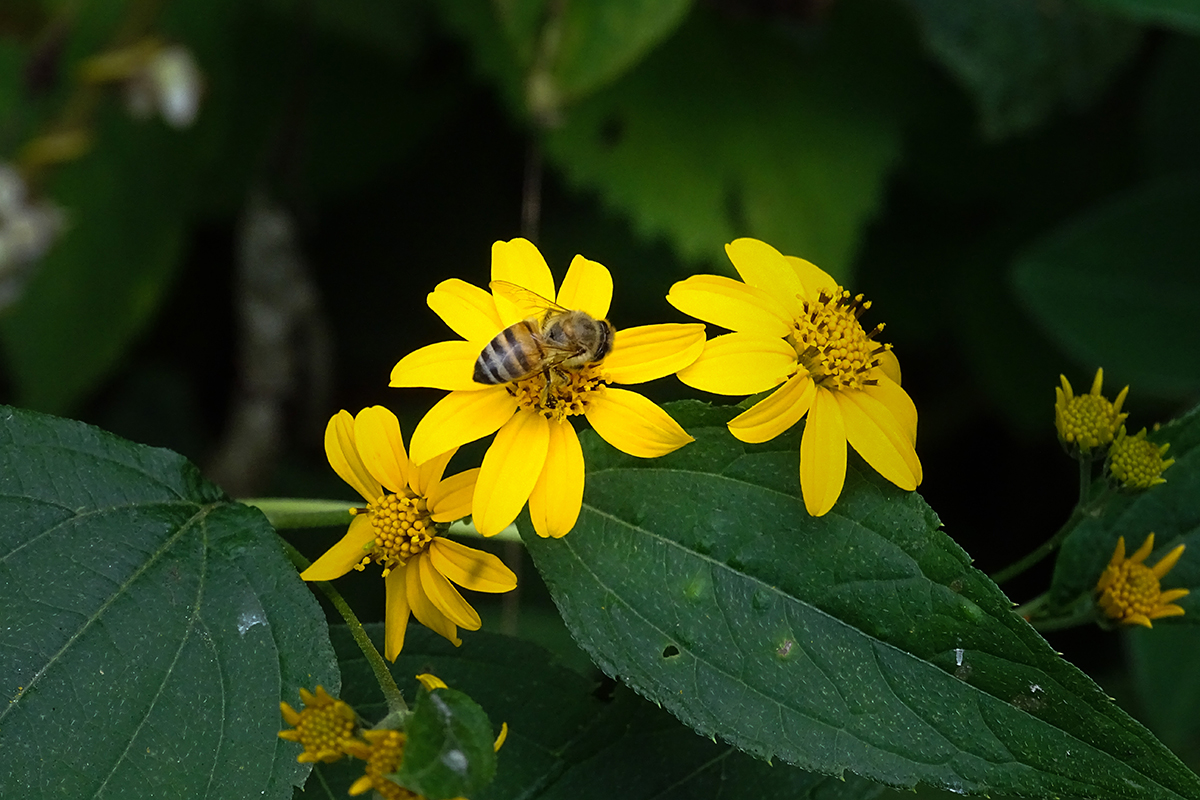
(536, 456)
(1130, 591)
(1087, 421)
(793, 327)
(325, 726)
(408, 509)
(1135, 463)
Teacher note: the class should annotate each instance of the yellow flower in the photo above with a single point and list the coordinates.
(1137, 463)
(536, 456)
(1087, 421)
(383, 751)
(324, 727)
(1130, 591)
(793, 325)
(408, 508)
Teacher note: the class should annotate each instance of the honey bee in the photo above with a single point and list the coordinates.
(561, 339)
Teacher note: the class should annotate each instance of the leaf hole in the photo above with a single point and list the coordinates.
(670, 651)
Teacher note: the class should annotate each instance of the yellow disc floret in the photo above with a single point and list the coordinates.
(403, 529)
(383, 752)
(1131, 593)
(564, 394)
(324, 727)
(830, 341)
(1136, 463)
(1087, 421)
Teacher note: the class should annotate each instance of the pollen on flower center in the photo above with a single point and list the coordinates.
(564, 394)
(1134, 590)
(403, 529)
(830, 341)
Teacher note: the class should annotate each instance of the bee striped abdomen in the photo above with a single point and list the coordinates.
(513, 354)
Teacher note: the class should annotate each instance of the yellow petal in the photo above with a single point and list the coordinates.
(470, 568)
(774, 414)
(812, 277)
(422, 607)
(897, 401)
(1167, 611)
(557, 497)
(458, 418)
(518, 261)
(877, 436)
(764, 267)
(396, 615)
(1171, 595)
(1138, 619)
(510, 470)
(890, 365)
(730, 304)
(633, 424)
(343, 457)
(445, 596)
(648, 352)
(423, 478)
(341, 558)
(377, 438)
(740, 363)
(468, 310)
(431, 681)
(450, 500)
(587, 287)
(442, 365)
(1147, 547)
(1166, 562)
(1118, 553)
(822, 454)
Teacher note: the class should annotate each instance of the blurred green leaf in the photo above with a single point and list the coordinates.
(1171, 511)
(1163, 665)
(861, 640)
(151, 626)
(449, 751)
(102, 282)
(731, 129)
(1170, 114)
(1024, 59)
(567, 49)
(566, 741)
(1118, 286)
(1183, 15)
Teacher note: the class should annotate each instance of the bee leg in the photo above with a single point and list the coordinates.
(547, 400)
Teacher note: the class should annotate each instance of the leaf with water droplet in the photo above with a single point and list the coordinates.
(449, 751)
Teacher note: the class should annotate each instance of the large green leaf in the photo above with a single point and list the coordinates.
(1170, 118)
(1183, 15)
(450, 751)
(1171, 511)
(1021, 60)
(1118, 287)
(567, 740)
(732, 130)
(1163, 667)
(862, 640)
(150, 625)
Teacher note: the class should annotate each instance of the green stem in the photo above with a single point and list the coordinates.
(1080, 616)
(1084, 508)
(387, 684)
(287, 512)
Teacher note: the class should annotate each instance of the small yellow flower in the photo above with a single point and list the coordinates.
(536, 456)
(795, 328)
(408, 508)
(324, 727)
(1137, 463)
(383, 750)
(1129, 590)
(1087, 421)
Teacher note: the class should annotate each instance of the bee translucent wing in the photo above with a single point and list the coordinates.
(527, 302)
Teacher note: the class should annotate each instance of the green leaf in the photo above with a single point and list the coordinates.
(1163, 666)
(1022, 60)
(1118, 286)
(151, 626)
(732, 130)
(449, 749)
(1171, 511)
(862, 640)
(1183, 15)
(568, 49)
(566, 740)
(1170, 116)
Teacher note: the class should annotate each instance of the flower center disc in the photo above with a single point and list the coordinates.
(831, 344)
(403, 529)
(1136, 589)
(564, 395)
